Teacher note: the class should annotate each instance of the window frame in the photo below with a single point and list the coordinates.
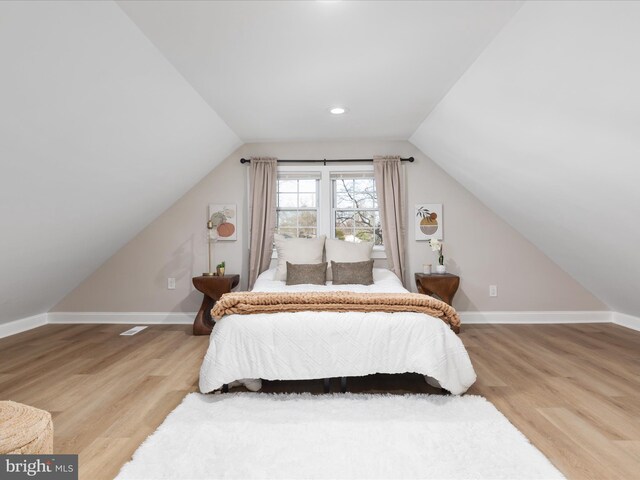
(335, 209)
(316, 209)
(325, 196)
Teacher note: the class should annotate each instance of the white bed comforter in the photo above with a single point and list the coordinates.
(309, 345)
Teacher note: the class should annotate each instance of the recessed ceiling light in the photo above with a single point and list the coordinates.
(337, 110)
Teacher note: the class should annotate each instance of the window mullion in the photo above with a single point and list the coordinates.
(324, 203)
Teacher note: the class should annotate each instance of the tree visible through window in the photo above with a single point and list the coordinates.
(339, 203)
(297, 207)
(355, 209)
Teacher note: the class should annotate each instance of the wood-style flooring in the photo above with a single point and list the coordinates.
(573, 390)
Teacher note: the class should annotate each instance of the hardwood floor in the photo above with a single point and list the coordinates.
(106, 392)
(573, 390)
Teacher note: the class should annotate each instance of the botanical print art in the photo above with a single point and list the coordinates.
(225, 221)
(428, 221)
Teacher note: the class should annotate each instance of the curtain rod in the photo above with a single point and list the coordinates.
(325, 161)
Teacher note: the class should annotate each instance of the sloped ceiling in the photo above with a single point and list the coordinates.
(545, 129)
(104, 123)
(98, 135)
(272, 69)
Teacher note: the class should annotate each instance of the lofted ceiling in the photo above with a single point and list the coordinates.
(545, 129)
(272, 69)
(111, 111)
(98, 135)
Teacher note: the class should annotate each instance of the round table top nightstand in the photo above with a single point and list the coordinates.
(212, 284)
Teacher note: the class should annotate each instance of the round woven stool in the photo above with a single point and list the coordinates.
(25, 429)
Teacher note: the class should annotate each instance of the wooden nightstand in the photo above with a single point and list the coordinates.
(443, 285)
(213, 287)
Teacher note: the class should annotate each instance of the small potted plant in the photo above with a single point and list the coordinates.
(220, 269)
(437, 246)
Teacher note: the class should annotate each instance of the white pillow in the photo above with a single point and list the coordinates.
(343, 251)
(297, 250)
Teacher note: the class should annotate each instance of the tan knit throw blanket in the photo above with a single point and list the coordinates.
(246, 303)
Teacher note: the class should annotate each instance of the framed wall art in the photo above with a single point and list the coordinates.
(428, 221)
(225, 222)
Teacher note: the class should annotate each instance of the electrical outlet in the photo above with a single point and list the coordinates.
(171, 283)
(493, 290)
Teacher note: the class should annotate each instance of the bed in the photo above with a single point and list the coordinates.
(316, 345)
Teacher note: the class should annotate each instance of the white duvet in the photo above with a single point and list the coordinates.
(310, 345)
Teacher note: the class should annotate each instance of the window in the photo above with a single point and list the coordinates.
(355, 212)
(336, 201)
(297, 205)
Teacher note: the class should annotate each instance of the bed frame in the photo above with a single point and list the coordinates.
(327, 385)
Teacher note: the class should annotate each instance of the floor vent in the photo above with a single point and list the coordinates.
(133, 331)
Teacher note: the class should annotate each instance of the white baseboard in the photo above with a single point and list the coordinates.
(22, 325)
(625, 320)
(136, 318)
(169, 318)
(536, 317)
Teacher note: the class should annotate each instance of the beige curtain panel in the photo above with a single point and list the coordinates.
(391, 201)
(263, 177)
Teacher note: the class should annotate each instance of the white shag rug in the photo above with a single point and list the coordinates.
(268, 436)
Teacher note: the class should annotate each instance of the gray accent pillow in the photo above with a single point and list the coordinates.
(352, 273)
(306, 273)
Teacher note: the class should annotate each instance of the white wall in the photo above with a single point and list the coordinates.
(98, 135)
(480, 247)
(544, 128)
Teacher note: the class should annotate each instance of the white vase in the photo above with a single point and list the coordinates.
(441, 269)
